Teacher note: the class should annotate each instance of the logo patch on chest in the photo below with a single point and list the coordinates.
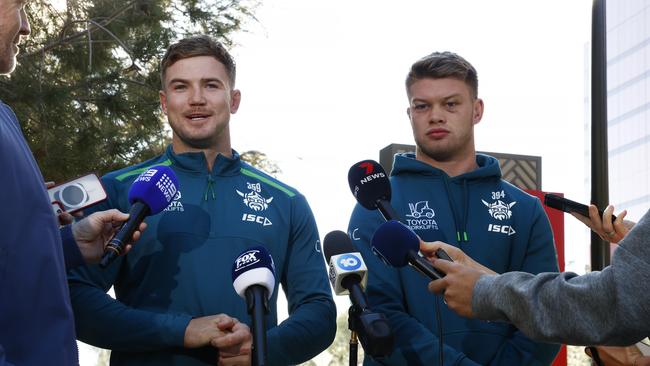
(500, 210)
(421, 216)
(256, 202)
(253, 199)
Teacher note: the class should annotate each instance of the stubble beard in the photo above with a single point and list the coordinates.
(199, 144)
(447, 151)
(436, 154)
(208, 142)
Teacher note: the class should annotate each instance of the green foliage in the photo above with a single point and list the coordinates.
(86, 86)
(261, 161)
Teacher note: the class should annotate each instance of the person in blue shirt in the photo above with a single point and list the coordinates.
(448, 192)
(173, 287)
(36, 322)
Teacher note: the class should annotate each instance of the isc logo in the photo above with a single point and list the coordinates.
(246, 259)
(504, 229)
(258, 219)
(348, 262)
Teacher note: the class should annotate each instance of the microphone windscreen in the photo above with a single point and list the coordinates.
(254, 266)
(369, 183)
(392, 241)
(335, 243)
(156, 187)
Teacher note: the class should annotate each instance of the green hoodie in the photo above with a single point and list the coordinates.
(181, 267)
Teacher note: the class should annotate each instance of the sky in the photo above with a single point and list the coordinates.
(322, 87)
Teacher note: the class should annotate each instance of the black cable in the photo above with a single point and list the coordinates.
(440, 342)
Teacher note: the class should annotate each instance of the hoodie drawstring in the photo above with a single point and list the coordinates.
(461, 232)
(210, 188)
(466, 209)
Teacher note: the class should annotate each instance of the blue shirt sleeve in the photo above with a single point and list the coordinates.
(311, 325)
(71, 253)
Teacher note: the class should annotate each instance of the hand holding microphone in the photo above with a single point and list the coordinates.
(150, 193)
(457, 286)
(253, 276)
(431, 251)
(397, 245)
(92, 233)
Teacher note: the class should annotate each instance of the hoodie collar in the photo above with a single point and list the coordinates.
(196, 162)
(488, 167)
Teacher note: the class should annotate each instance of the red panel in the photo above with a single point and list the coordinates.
(556, 217)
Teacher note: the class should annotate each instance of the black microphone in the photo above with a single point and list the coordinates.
(150, 193)
(253, 277)
(397, 245)
(348, 275)
(370, 185)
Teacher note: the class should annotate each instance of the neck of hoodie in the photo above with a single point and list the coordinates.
(452, 168)
(211, 153)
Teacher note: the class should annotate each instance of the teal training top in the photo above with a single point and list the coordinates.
(495, 223)
(181, 267)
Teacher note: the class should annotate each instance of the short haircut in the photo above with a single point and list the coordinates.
(195, 46)
(439, 65)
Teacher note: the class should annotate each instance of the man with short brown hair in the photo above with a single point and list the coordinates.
(173, 285)
(447, 190)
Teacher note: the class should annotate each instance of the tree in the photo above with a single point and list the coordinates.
(86, 88)
(261, 161)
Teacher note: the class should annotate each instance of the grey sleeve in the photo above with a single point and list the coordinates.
(607, 307)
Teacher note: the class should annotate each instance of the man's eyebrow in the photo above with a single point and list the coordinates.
(177, 80)
(452, 96)
(203, 80)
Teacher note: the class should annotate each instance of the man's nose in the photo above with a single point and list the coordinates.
(197, 97)
(25, 28)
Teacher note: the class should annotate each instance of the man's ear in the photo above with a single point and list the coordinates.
(477, 112)
(163, 101)
(235, 99)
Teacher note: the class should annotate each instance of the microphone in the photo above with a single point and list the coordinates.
(347, 271)
(348, 276)
(253, 277)
(370, 186)
(397, 245)
(150, 193)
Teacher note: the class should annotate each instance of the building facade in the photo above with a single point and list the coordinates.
(628, 94)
